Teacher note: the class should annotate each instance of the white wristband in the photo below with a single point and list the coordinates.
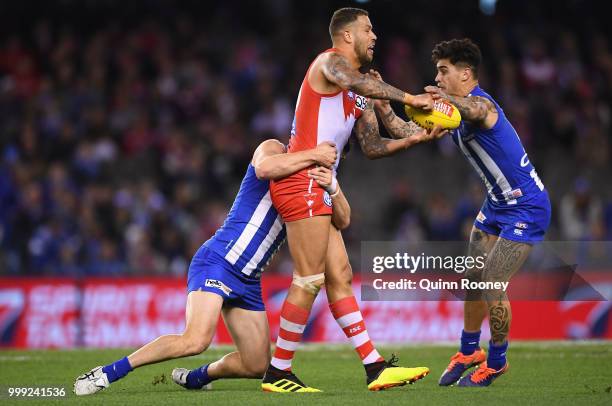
(333, 188)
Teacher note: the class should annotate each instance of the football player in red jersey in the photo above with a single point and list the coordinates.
(333, 100)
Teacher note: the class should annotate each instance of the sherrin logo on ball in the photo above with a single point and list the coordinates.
(443, 114)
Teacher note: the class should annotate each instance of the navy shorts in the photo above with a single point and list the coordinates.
(210, 272)
(526, 222)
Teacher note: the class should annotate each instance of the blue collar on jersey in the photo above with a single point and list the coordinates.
(475, 88)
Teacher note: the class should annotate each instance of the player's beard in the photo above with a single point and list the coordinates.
(361, 49)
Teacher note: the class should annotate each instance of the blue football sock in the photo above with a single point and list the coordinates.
(117, 370)
(469, 342)
(497, 355)
(197, 378)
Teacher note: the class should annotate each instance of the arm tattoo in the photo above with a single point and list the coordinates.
(473, 108)
(338, 71)
(366, 130)
(397, 127)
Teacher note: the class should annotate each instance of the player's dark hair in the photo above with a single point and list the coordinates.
(342, 17)
(458, 51)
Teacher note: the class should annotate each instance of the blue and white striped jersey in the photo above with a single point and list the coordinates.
(253, 230)
(499, 158)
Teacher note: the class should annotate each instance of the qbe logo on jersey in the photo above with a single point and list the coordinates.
(213, 283)
(361, 102)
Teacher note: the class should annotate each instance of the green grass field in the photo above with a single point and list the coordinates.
(542, 373)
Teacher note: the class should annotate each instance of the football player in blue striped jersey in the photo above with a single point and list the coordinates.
(224, 278)
(514, 216)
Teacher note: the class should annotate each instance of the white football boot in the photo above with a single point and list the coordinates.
(91, 382)
(179, 376)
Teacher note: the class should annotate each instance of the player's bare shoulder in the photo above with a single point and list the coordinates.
(323, 73)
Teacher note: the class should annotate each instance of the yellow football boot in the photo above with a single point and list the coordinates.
(277, 380)
(392, 375)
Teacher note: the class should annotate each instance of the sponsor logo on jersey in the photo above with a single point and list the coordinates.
(361, 102)
(327, 199)
(536, 179)
(350, 94)
(516, 193)
(520, 225)
(518, 231)
(481, 217)
(213, 283)
(524, 160)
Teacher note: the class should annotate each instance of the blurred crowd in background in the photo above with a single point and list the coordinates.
(125, 127)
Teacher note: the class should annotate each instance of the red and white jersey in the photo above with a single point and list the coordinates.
(321, 117)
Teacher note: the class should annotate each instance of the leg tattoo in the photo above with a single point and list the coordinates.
(500, 317)
(479, 242)
(474, 308)
(505, 260)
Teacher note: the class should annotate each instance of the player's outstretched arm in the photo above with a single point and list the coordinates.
(476, 109)
(368, 135)
(398, 128)
(373, 145)
(271, 162)
(336, 69)
(341, 217)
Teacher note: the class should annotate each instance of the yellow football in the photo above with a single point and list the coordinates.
(443, 114)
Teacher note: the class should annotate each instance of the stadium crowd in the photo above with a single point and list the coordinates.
(123, 138)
